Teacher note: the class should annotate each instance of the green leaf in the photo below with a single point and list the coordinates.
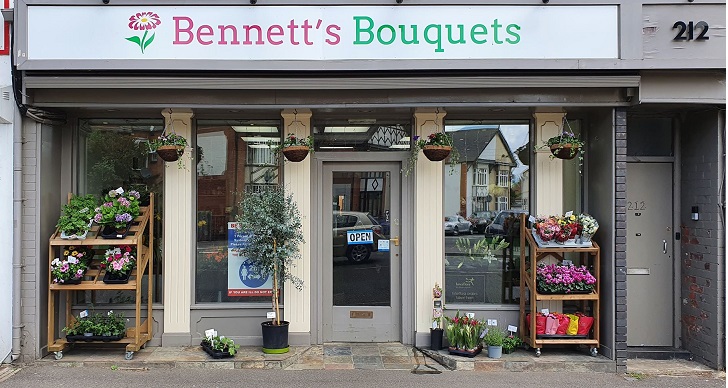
(151, 39)
(135, 39)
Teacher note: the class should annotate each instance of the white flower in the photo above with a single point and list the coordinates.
(72, 260)
(119, 191)
(56, 261)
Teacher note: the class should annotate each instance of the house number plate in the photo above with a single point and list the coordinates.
(361, 314)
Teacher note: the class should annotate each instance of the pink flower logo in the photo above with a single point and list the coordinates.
(143, 21)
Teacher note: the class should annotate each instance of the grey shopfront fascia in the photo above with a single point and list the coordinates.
(596, 88)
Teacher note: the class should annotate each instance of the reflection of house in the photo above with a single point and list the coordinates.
(484, 171)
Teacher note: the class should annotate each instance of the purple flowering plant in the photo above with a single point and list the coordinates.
(169, 138)
(564, 279)
(118, 208)
(72, 267)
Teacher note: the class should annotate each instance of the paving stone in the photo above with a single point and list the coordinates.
(397, 360)
(367, 359)
(337, 351)
(337, 360)
(365, 350)
(339, 366)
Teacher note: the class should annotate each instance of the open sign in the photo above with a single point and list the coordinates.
(354, 237)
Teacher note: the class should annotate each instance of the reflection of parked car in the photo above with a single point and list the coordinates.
(506, 223)
(456, 224)
(345, 221)
(482, 219)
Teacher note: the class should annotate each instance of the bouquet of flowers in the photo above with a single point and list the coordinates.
(589, 226)
(119, 208)
(68, 270)
(563, 279)
(463, 332)
(119, 261)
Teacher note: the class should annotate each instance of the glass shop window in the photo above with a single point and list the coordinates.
(234, 157)
(489, 186)
(115, 153)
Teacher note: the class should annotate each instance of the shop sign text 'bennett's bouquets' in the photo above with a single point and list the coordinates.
(307, 33)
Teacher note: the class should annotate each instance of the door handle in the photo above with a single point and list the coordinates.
(664, 246)
(395, 240)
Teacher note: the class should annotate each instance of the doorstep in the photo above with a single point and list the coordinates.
(551, 360)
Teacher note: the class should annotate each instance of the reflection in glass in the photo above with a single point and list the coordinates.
(374, 137)
(485, 193)
(115, 153)
(233, 157)
(360, 205)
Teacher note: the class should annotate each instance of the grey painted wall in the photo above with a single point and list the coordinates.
(600, 189)
(703, 241)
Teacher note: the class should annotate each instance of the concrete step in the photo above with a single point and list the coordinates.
(551, 359)
(657, 353)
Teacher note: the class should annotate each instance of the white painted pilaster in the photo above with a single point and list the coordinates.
(178, 235)
(549, 174)
(297, 180)
(429, 234)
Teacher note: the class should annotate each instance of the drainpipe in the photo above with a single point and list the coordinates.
(17, 233)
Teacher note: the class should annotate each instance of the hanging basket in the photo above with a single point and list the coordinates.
(564, 151)
(295, 153)
(170, 153)
(436, 153)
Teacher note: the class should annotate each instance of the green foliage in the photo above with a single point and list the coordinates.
(476, 254)
(222, 344)
(168, 139)
(110, 159)
(442, 139)
(463, 332)
(77, 214)
(118, 208)
(292, 140)
(272, 222)
(98, 324)
(494, 336)
(511, 342)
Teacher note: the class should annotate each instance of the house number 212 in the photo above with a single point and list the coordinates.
(687, 31)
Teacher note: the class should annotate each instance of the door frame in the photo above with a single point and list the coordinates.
(318, 229)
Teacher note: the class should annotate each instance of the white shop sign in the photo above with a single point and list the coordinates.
(323, 33)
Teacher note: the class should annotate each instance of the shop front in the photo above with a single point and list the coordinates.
(365, 82)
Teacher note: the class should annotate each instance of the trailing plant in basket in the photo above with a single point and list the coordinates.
(441, 139)
(564, 141)
(173, 140)
(76, 215)
(119, 208)
(272, 222)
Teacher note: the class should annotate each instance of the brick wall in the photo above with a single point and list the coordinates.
(702, 242)
(620, 233)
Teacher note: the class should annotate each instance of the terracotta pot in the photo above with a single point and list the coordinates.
(170, 153)
(436, 153)
(564, 151)
(295, 153)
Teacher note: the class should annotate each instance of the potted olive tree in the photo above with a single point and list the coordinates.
(272, 222)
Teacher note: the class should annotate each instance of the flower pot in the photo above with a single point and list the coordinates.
(495, 351)
(465, 352)
(112, 232)
(170, 153)
(295, 153)
(214, 353)
(564, 151)
(436, 153)
(436, 339)
(72, 281)
(275, 337)
(65, 236)
(116, 278)
(88, 337)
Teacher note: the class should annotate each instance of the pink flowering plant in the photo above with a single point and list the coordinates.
(71, 268)
(119, 208)
(118, 261)
(143, 21)
(564, 279)
(463, 332)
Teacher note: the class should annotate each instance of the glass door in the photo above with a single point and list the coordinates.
(362, 257)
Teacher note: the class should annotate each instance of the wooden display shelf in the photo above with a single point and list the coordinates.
(136, 336)
(588, 256)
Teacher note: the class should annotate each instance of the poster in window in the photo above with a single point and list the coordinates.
(244, 278)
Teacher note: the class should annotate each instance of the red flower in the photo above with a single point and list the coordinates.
(144, 21)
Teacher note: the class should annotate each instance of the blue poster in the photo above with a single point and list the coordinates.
(244, 277)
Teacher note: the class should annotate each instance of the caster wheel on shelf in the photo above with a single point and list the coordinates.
(538, 352)
(129, 355)
(593, 352)
(59, 355)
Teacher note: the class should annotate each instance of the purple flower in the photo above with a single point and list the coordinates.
(97, 217)
(124, 202)
(134, 194)
(126, 217)
(108, 204)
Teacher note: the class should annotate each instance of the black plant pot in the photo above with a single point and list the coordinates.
(111, 232)
(436, 339)
(112, 278)
(214, 353)
(275, 337)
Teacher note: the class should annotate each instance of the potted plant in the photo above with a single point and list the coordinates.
(494, 339)
(96, 327)
(272, 222)
(116, 213)
(463, 335)
(80, 252)
(75, 220)
(118, 263)
(169, 146)
(511, 343)
(436, 147)
(436, 331)
(70, 269)
(218, 346)
(564, 279)
(296, 149)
